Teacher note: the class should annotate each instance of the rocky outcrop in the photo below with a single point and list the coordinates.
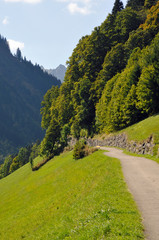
(121, 141)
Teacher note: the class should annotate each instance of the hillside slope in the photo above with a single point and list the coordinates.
(111, 80)
(143, 129)
(85, 199)
(22, 87)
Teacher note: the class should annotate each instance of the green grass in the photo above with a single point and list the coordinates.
(154, 158)
(139, 131)
(68, 199)
(142, 130)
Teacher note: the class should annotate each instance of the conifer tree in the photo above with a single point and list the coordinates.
(118, 6)
(19, 54)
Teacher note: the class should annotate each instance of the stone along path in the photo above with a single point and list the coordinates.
(142, 177)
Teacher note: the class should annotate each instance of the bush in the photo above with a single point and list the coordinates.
(79, 149)
(89, 150)
(84, 133)
(82, 150)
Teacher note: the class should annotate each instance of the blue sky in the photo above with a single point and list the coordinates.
(47, 31)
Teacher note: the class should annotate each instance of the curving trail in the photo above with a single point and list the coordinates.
(142, 177)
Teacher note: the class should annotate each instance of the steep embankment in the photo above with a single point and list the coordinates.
(83, 199)
(142, 137)
(143, 129)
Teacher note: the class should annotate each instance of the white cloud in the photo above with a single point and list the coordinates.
(14, 45)
(80, 1)
(25, 1)
(74, 8)
(5, 20)
(78, 6)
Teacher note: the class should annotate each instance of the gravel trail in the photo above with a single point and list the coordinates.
(142, 178)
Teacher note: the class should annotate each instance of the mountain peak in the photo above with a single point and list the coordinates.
(58, 72)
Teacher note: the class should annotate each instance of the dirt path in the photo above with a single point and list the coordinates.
(142, 177)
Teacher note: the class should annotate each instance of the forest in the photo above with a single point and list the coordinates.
(22, 87)
(111, 80)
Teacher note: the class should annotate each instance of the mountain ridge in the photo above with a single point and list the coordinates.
(22, 87)
(58, 72)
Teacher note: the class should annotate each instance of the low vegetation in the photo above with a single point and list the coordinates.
(68, 199)
(14, 161)
(143, 129)
(81, 149)
(154, 158)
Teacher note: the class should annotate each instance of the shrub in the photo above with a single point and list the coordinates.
(84, 133)
(79, 149)
(90, 150)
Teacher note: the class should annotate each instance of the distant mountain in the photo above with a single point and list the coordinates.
(22, 87)
(58, 72)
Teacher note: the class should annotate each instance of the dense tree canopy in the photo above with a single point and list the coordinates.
(111, 80)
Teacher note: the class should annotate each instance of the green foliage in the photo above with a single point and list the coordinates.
(51, 141)
(135, 4)
(152, 20)
(116, 107)
(79, 149)
(48, 101)
(111, 80)
(1, 171)
(20, 159)
(114, 62)
(35, 151)
(134, 93)
(145, 91)
(25, 155)
(126, 21)
(84, 133)
(149, 3)
(75, 129)
(6, 165)
(14, 165)
(65, 132)
(118, 6)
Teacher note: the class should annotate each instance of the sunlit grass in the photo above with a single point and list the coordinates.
(139, 131)
(142, 130)
(68, 199)
(154, 158)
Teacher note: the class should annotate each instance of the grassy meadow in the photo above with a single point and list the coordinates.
(139, 131)
(68, 199)
(143, 129)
